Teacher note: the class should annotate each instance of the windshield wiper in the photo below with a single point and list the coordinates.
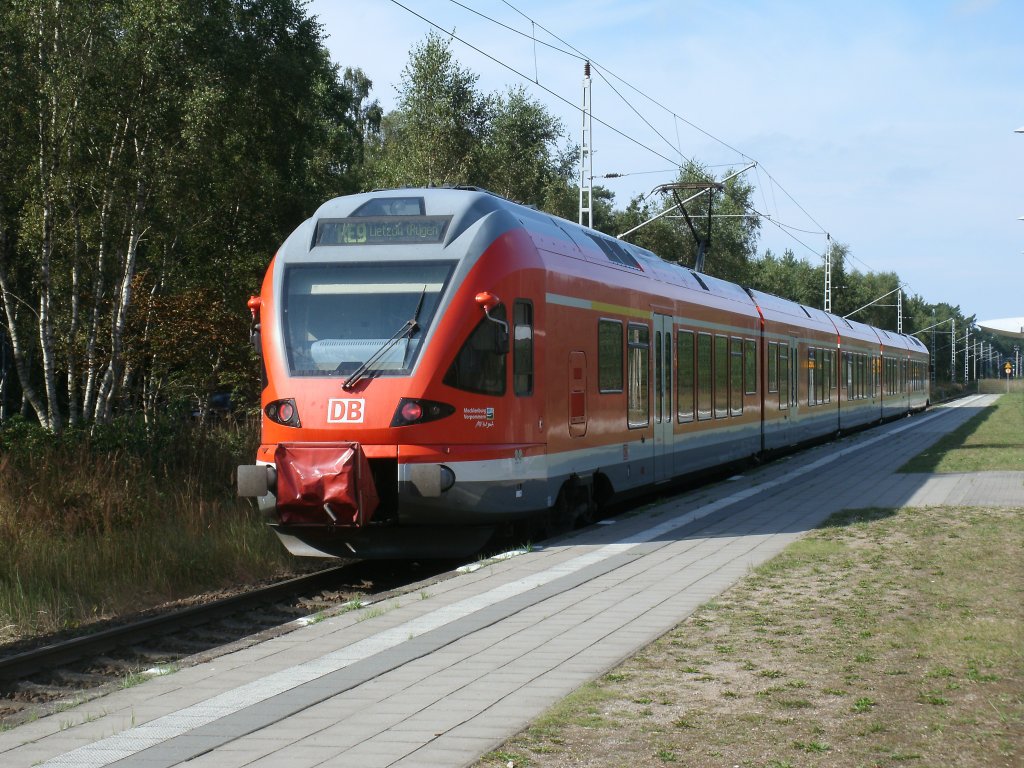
(406, 330)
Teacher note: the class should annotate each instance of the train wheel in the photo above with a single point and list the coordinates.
(574, 508)
(560, 518)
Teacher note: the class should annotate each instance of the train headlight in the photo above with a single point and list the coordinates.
(283, 412)
(415, 411)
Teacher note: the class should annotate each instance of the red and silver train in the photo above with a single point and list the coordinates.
(440, 363)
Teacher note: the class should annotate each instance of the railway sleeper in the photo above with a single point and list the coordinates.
(79, 679)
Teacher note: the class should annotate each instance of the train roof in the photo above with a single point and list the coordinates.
(463, 207)
(854, 329)
(776, 308)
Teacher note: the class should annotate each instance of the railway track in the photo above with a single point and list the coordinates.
(56, 671)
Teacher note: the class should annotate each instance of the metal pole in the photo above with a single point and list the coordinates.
(967, 364)
(952, 344)
(828, 272)
(899, 310)
(587, 155)
(934, 359)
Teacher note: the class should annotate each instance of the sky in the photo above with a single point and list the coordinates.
(888, 124)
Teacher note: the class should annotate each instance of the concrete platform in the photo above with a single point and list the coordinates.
(442, 675)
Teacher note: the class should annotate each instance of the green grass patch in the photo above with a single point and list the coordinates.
(990, 440)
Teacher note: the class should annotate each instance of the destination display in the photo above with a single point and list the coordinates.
(383, 230)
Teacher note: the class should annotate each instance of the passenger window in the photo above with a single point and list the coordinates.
(784, 378)
(824, 387)
(773, 366)
(609, 356)
(735, 377)
(659, 393)
(721, 377)
(480, 364)
(638, 362)
(811, 353)
(822, 381)
(684, 379)
(704, 376)
(522, 348)
(750, 366)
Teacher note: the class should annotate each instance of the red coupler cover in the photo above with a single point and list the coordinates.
(324, 485)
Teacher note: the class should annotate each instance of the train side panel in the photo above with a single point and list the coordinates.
(860, 398)
(441, 362)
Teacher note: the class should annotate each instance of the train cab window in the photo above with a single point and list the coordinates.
(784, 377)
(609, 356)
(735, 377)
(721, 377)
(480, 364)
(773, 366)
(704, 376)
(637, 361)
(337, 317)
(749, 366)
(391, 206)
(685, 376)
(522, 347)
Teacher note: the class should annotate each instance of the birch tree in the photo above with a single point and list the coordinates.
(154, 155)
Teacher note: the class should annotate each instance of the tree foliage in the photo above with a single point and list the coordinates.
(445, 132)
(154, 155)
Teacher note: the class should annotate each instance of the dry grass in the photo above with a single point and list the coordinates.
(882, 639)
(94, 527)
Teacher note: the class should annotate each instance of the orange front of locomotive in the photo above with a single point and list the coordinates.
(387, 423)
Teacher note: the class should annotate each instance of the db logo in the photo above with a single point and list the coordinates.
(345, 411)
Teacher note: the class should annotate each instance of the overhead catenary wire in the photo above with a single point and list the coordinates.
(601, 69)
(572, 51)
(547, 90)
(743, 155)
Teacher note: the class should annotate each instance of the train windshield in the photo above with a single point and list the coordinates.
(339, 317)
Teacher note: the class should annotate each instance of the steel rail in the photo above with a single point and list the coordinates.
(26, 663)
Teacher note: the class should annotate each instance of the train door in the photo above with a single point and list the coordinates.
(662, 397)
(577, 394)
(789, 389)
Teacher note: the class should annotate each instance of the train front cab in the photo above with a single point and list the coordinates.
(449, 435)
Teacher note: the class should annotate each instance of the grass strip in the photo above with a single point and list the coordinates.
(884, 638)
(990, 440)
